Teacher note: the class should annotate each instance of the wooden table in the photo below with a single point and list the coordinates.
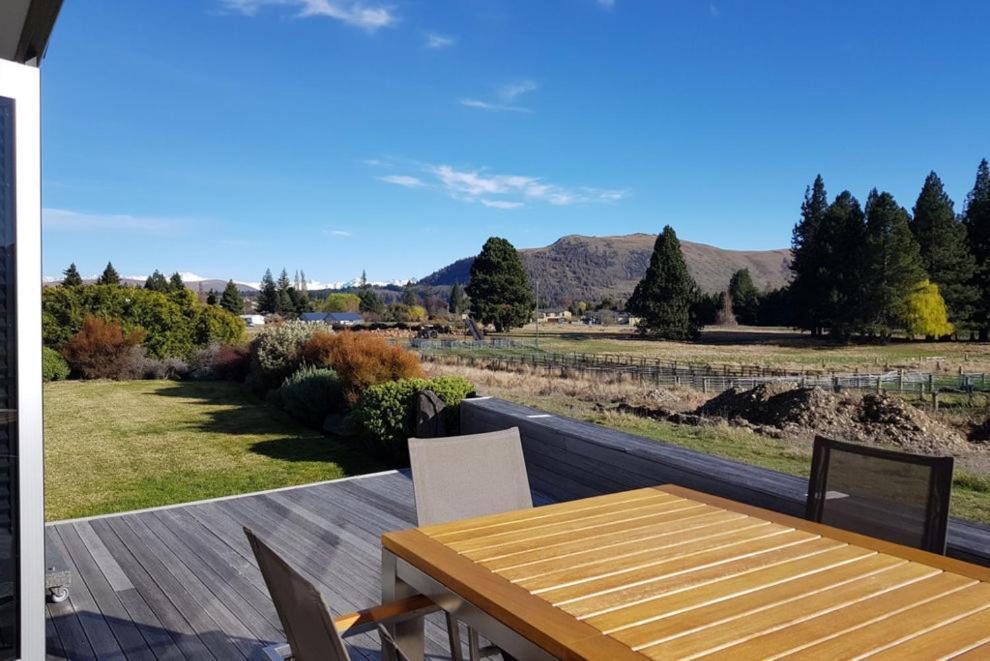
(667, 572)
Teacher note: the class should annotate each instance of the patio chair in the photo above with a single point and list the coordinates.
(899, 497)
(313, 634)
(460, 477)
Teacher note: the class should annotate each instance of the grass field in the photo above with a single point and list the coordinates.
(766, 347)
(113, 446)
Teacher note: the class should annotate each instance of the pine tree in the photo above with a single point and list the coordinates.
(945, 250)
(363, 282)
(744, 296)
(455, 302)
(371, 303)
(156, 282)
(231, 300)
(268, 296)
(109, 276)
(977, 221)
(72, 277)
(211, 297)
(664, 298)
(283, 283)
(175, 282)
(806, 259)
(894, 266)
(841, 239)
(409, 295)
(499, 288)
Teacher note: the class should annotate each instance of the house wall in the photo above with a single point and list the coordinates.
(568, 459)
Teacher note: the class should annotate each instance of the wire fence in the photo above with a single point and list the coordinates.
(708, 378)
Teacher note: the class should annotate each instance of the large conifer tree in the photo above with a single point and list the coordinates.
(664, 298)
(231, 299)
(72, 277)
(499, 288)
(156, 282)
(268, 296)
(894, 266)
(806, 262)
(109, 276)
(841, 237)
(977, 221)
(175, 282)
(945, 250)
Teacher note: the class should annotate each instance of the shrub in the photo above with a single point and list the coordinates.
(361, 360)
(143, 366)
(310, 394)
(53, 366)
(101, 350)
(277, 352)
(225, 362)
(214, 325)
(386, 411)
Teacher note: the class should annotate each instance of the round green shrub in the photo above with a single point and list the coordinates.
(385, 413)
(276, 352)
(310, 394)
(53, 366)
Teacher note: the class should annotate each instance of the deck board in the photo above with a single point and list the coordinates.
(181, 582)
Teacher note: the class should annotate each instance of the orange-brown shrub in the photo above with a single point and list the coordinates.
(360, 360)
(101, 350)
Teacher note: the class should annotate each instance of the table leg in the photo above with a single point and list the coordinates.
(408, 635)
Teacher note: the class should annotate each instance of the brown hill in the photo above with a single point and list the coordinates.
(591, 268)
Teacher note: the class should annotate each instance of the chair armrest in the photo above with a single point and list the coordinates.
(394, 611)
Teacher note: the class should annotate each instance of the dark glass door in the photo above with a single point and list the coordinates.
(9, 560)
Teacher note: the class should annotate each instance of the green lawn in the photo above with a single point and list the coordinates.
(112, 446)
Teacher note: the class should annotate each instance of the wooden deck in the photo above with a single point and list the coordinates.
(181, 582)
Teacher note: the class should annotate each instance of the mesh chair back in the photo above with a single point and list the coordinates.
(459, 477)
(899, 497)
(305, 617)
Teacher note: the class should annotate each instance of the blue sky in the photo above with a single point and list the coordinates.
(223, 136)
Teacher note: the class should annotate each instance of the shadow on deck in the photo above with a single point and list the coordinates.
(180, 582)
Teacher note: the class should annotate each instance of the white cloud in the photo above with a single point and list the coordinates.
(435, 40)
(78, 221)
(340, 233)
(403, 180)
(505, 98)
(606, 4)
(509, 191)
(347, 11)
(501, 204)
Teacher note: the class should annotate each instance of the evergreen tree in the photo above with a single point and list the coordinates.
(744, 297)
(499, 288)
(156, 282)
(894, 266)
(109, 276)
(363, 282)
(841, 241)
(945, 252)
(456, 303)
(409, 295)
(303, 285)
(212, 298)
(175, 282)
(231, 300)
(283, 281)
(806, 260)
(72, 277)
(370, 302)
(268, 296)
(665, 297)
(977, 221)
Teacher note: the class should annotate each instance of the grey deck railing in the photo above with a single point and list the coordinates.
(569, 459)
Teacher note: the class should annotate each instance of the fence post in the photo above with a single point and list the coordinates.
(704, 385)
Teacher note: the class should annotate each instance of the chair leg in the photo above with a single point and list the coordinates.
(474, 649)
(454, 636)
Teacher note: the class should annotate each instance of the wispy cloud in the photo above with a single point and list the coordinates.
(501, 204)
(343, 233)
(350, 12)
(403, 180)
(436, 40)
(606, 4)
(78, 221)
(713, 11)
(505, 98)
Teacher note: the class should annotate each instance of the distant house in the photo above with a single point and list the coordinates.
(253, 319)
(332, 318)
(555, 316)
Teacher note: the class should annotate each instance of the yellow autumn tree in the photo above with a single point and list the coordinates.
(925, 312)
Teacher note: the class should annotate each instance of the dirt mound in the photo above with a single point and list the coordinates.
(803, 412)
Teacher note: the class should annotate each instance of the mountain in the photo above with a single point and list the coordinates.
(591, 268)
(194, 284)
